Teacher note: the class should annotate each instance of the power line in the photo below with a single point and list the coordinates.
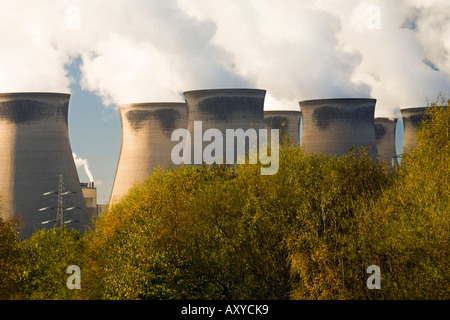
(59, 220)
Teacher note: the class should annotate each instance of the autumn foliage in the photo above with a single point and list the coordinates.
(220, 232)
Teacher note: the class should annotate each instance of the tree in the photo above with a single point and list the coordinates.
(406, 231)
(308, 232)
(48, 255)
(11, 259)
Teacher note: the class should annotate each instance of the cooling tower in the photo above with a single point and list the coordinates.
(288, 122)
(333, 126)
(385, 137)
(225, 109)
(35, 151)
(411, 119)
(146, 141)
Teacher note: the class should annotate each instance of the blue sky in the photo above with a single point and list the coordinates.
(94, 131)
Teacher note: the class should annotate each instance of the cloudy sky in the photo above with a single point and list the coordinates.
(111, 52)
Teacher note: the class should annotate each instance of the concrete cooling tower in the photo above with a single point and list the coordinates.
(411, 119)
(224, 109)
(385, 137)
(35, 152)
(288, 122)
(146, 141)
(333, 126)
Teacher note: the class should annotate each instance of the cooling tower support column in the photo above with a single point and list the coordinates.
(35, 152)
(225, 109)
(385, 137)
(146, 141)
(411, 120)
(288, 122)
(333, 126)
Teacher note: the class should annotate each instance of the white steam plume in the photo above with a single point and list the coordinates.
(151, 50)
(83, 162)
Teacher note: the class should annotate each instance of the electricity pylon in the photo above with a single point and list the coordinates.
(59, 220)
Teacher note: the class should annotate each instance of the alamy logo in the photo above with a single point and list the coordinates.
(73, 21)
(374, 281)
(374, 17)
(74, 280)
(235, 140)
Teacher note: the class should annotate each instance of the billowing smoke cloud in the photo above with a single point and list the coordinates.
(30, 59)
(395, 51)
(150, 50)
(405, 49)
(153, 52)
(79, 162)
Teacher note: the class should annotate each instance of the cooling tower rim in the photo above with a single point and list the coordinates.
(152, 105)
(334, 100)
(215, 92)
(413, 110)
(282, 111)
(33, 95)
(387, 119)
